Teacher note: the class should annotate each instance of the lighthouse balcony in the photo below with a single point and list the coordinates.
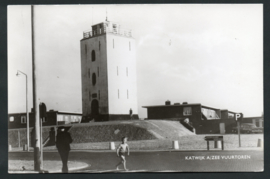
(122, 32)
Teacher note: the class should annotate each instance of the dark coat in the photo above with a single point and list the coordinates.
(63, 139)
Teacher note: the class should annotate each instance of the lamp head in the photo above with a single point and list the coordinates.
(17, 73)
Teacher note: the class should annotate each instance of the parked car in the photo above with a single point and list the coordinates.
(248, 128)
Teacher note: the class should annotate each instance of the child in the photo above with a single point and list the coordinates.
(121, 151)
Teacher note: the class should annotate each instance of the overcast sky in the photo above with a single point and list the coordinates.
(208, 54)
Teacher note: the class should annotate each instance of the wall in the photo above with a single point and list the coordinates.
(87, 45)
(121, 55)
(175, 111)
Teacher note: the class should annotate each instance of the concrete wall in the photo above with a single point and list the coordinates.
(121, 57)
(99, 67)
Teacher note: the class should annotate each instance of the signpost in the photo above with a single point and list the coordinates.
(238, 118)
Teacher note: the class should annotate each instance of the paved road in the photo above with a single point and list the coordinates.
(175, 161)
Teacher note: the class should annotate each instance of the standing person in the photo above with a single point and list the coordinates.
(130, 113)
(121, 152)
(63, 139)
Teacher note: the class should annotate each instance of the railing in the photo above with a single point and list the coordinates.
(87, 34)
(123, 32)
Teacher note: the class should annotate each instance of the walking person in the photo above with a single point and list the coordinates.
(130, 113)
(63, 140)
(121, 152)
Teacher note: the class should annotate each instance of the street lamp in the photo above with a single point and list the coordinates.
(27, 114)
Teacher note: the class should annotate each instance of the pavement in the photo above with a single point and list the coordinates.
(104, 161)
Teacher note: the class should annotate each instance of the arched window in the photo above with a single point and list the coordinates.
(93, 55)
(94, 79)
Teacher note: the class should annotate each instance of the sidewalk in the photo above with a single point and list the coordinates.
(49, 166)
(152, 150)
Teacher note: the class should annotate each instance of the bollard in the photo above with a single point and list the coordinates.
(112, 146)
(175, 144)
(9, 148)
(260, 143)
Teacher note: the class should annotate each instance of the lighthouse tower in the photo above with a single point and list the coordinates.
(108, 73)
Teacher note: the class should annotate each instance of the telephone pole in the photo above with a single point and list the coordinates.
(37, 140)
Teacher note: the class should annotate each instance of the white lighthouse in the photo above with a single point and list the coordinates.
(108, 69)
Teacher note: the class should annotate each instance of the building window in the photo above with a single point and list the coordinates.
(187, 111)
(94, 79)
(127, 71)
(23, 119)
(66, 118)
(60, 118)
(93, 55)
(118, 93)
(88, 73)
(127, 94)
(11, 118)
(129, 46)
(230, 115)
(44, 119)
(85, 49)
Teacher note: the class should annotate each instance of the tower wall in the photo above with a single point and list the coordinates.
(99, 67)
(122, 83)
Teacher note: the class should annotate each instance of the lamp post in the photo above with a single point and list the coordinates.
(27, 114)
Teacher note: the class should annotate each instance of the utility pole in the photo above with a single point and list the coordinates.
(37, 139)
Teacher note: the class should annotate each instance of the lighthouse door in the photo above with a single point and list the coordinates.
(94, 107)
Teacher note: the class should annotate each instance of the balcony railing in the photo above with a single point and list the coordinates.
(123, 32)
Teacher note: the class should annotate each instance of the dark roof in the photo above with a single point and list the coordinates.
(58, 112)
(172, 105)
(209, 107)
(258, 117)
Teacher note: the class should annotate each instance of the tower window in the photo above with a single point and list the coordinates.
(118, 93)
(93, 55)
(127, 94)
(94, 79)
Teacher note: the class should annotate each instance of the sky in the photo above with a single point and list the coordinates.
(195, 53)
